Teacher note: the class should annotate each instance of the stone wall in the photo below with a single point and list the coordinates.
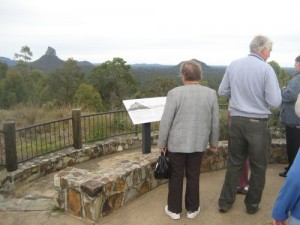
(59, 160)
(56, 161)
(95, 194)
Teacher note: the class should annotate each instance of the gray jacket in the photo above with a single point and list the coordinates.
(190, 120)
(289, 97)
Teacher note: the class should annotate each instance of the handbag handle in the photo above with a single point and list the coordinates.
(163, 153)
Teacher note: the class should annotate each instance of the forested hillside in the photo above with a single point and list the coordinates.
(52, 82)
(146, 74)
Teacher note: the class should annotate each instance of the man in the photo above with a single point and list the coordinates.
(252, 87)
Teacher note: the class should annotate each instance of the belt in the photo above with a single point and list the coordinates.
(260, 119)
(252, 119)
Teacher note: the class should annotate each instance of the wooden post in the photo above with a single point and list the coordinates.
(9, 129)
(76, 123)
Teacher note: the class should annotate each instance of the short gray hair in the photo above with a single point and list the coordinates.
(259, 43)
(191, 70)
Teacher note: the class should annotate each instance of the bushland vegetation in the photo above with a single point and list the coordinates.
(30, 96)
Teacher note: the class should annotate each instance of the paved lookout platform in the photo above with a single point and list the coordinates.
(34, 202)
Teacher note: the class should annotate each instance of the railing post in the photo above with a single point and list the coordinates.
(76, 123)
(9, 129)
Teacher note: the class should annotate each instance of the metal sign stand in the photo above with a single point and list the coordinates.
(146, 138)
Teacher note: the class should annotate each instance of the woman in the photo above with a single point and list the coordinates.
(189, 123)
(287, 204)
(289, 118)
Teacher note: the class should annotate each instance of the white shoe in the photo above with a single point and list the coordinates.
(192, 215)
(174, 216)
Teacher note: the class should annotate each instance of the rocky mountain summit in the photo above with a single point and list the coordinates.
(48, 62)
(50, 51)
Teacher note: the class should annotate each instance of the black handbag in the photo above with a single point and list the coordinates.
(162, 168)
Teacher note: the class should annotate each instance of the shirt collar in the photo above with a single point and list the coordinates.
(257, 56)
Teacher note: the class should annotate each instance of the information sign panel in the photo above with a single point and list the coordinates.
(145, 110)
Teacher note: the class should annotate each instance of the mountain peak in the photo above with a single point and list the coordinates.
(48, 62)
(50, 51)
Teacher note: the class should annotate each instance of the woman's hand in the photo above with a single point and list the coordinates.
(163, 150)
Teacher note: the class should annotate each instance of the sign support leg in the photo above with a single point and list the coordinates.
(146, 138)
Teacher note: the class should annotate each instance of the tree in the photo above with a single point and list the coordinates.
(64, 82)
(160, 87)
(3, 69)
(23, 57)
(13, 89)
(114, 81)
(280, 73)
(87, 98)
(25, 54)
(35, 82)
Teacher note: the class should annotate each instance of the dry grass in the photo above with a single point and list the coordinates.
(25, 115)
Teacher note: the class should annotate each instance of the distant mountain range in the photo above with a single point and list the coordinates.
(143, 72)
(51, 61)
(48, 62)
(8, 61)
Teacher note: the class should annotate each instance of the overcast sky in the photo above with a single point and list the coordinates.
(149, 31)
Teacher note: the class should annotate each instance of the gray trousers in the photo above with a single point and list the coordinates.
(251, 138)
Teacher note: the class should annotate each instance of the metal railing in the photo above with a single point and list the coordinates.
(101, 126)
(39, 139)
(36, 140)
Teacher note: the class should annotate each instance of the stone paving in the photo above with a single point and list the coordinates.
(34, 203)
(38, 195)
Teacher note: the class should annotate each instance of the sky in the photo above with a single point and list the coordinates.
(166, 32)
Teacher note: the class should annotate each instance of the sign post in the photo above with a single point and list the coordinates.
(146, 138)
(144, 111)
